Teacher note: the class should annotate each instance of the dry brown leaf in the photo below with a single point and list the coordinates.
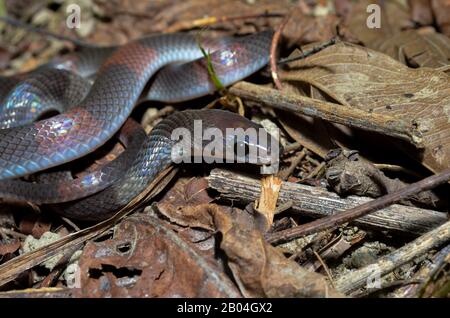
(441, 10)
(371, 81)
(307, 131)
(187, 203)
(421, 12)
(302, 28)
(9, 247)
(415, 48)
(394, 17)
(130, 20)
(35, 225)
(260, 270)
(133, 19)
(147, 259)
(243, 242)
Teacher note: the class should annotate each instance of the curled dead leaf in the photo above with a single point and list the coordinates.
(371, 81)
(260, 270)
(147, 259)
(417, 49)
(187, 202)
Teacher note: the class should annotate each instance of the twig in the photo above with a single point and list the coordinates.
(70, 223)
(291, 147)
(13, 233)
(440, 258)
(397, 283)
(186, 25)
(273, 51)
(315, 171)
(316, 202)
(294, 163)
(331, 112)
(325, 267)
(359, 211)
(397, 168)
(309, 52)
(386, 264)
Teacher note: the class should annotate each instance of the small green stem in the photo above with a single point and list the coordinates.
(212, 73)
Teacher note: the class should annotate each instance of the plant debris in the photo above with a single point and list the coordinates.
(358, 208)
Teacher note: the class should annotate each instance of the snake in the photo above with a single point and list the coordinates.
(89, 115)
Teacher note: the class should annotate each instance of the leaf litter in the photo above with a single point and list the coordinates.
(194, 242)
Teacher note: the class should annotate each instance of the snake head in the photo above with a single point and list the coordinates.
(218, 136)
(231, 138)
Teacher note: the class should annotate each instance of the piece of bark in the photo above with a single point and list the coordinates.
(267, 203)
(317, 202)
(359, 278)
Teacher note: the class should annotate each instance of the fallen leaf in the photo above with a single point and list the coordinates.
(368, 80)
(9, 247)
(186, 203)
(35, 225)
(417, 49)
(148, 259)
(421, 12)
(260, 270)
(129, 19)
(441, 10)
(241, 245)
(395, 17)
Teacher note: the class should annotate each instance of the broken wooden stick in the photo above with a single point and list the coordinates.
(267, 203)
(336, 113)
(368, 274)
(317, 203)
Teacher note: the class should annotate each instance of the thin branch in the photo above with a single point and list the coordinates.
(386, 264)
(273, 51)
(198, 23)
(317, 202)
(359, 211)
(309, 52)
(284, 174)
(348, 116)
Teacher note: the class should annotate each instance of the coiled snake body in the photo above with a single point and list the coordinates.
(103, 109)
